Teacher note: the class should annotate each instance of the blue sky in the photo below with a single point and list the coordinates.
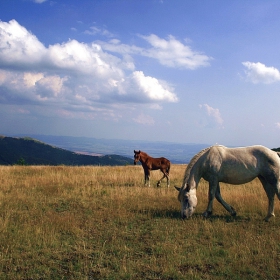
(176, 71)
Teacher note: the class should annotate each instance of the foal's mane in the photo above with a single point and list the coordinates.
(191, 164)
(143, 153)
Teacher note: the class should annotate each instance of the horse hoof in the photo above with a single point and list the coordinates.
(207, 214)
(268, 217)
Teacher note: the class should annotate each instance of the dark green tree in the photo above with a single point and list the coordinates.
(21, 161)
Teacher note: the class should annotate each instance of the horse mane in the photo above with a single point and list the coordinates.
(144, 154)
(191, 164)
(141, 152)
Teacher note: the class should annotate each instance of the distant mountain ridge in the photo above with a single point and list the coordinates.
(33, 152)
(177, 153)
(101, 149)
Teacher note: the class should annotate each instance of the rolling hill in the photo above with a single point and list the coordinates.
(30, 151)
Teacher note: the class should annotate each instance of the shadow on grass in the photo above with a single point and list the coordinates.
(154, 213)
(166, 214)
(227, 218)
(175, 214)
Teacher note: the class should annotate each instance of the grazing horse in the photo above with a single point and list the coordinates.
(233, 166)
(150, 163)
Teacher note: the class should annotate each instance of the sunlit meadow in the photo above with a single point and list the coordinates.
(102, 223)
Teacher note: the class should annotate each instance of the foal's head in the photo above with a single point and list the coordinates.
(136, 156)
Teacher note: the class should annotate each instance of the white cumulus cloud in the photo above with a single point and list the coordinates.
(146, 88)
(18, 47)
(28, 86)
(259, 73)
(72, 74)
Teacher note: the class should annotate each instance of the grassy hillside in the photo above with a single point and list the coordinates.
(32, 152)
(101, 223)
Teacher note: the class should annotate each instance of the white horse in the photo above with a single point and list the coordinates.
(233, 166)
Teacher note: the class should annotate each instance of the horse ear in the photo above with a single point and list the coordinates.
(134, 152)
(177, 188)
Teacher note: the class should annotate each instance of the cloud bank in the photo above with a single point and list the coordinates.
(72, 75)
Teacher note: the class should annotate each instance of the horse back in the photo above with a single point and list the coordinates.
(159, 163)
(241, 165)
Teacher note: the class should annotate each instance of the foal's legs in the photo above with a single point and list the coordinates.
(147, 177)
(270, 192)
(168, 181)
(165, 175)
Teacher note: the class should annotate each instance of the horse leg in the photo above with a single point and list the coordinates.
(147, 178)
(270, 192)
(159, 181)
(167, 178)
(165, 175)
(218, 196)
(211, 196)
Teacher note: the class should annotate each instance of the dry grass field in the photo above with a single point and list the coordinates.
(102, 223)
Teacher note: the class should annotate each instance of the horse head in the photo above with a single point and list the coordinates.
(136, 156)
(187, 198)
